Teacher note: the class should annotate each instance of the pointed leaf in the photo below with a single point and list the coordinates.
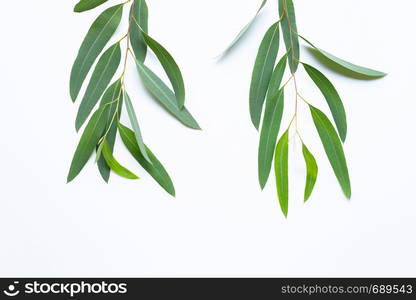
(311, 171)
(290, 32)
(138, 21)
(155, 169)
(104, 71)
(281, 167)
(165, 96)
(269, 132)
(97, 37)
(332, 98)
(277, 76)
(85, 5)
(262, 72)
(333, 149)
(114, 164)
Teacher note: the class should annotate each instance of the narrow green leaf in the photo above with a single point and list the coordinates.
(311, 171)
(135, 124)
(290, 32)
(114, 164)
(155, 169)
(139, 15)
(97, 37)
(243, 31)
(332, 98)
(333, 149)
(84, 5)
(276, 79)
(262, 72)
(89, 140)
(268, 137)
(347, 65)
(171, 68)
(104, 71)
(281, 168)
(165, 96)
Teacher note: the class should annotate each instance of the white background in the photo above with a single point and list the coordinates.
(220, 224)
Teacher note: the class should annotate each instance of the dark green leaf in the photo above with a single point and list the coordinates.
(97, 37)
(138, 22)
(332, 98)
(155, 169)
(290, 32)
(89, 140)
(281, 168)
(114, 164)
(311, 171)
(269, 132)
(333, 149)
(262, 72)
(85, 5)
(164, 95)
(104, 71)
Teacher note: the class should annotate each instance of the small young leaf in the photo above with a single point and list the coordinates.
(97, 37)
(84, 5)
(165, 96)
(281, 168)
(138, 21)
(289, 30)
(269, 132)
(277, 76)
(333, 149)
(243, 31)
(135, 125)
(114, 164)
(332, 98)
(262, 72)
(311, 171)
(347, 65)
(89, 140)
(155, 169)
(104, 71)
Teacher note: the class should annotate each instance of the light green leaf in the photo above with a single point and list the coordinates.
(97, 37)
(139, 15)
(281, 168)
(84, 5)
(104, 71)
(114, 164)
(243, 31)
(262, 72)
(276, 79)
(155, 169)
(333, 149)
(89, 140)
(135, 124)
(332, 98)
(268, 137)
(347, 65)
(290, 32)
(311, 171)
(165, 96)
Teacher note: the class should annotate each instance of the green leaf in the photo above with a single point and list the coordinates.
(97, 37)
(89, 140)
(268, 137)
(311, 171)
(85, 5)
(333, 149)
(281, 168)
(262, 72)
(276, 79)
(170, 67)
(332, 98)
(155, 169)
(101, 77)
(114, 164)
(347, 65)
(136, 127)
(290, 32)
(165, 96)
(243, 31)
(139, 15)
